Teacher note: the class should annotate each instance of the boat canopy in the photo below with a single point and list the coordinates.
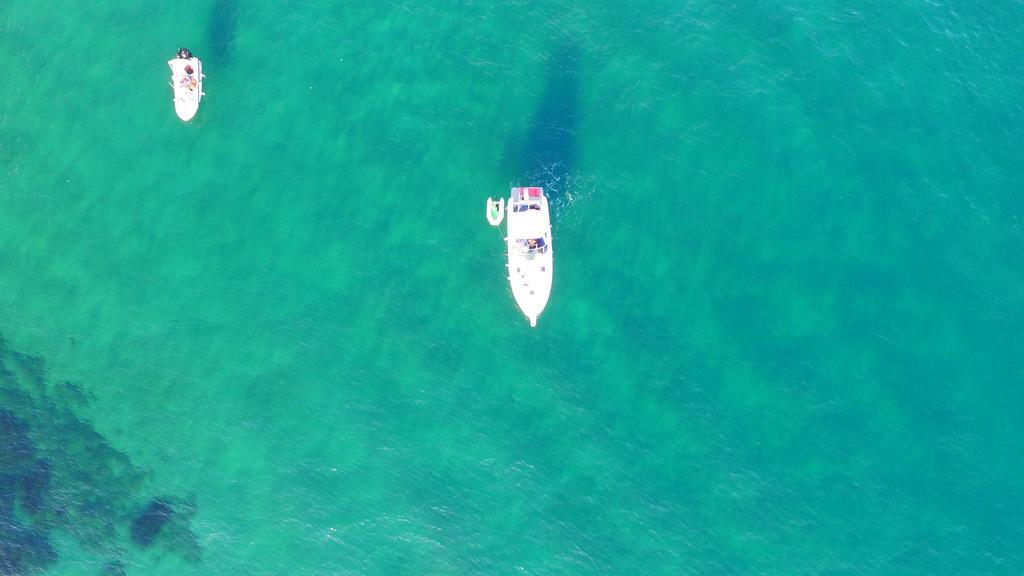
(527, 194)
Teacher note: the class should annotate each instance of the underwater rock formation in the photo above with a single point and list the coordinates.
(148, 524)
(24, 549)
(57, 473)
(114, 568)
(167, 521)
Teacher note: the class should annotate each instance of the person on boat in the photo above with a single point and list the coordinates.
(188, 83)
(532, 243)
(188, 69)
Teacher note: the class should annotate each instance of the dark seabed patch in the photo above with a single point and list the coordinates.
(221, 36)
(114, 568)
(152, 520)
(57, 473)
(547, 154)
(167, 521)
(23, 548)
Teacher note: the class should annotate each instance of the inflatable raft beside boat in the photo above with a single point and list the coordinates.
(495, 211)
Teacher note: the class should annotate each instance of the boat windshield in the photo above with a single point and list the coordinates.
(525, 207)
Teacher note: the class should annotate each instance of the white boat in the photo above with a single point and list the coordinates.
(530, 253)
(495, 211)
(187, 83)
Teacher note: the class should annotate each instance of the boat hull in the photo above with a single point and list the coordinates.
(530, 250)
(188, 88)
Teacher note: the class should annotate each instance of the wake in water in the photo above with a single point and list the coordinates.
(564, 189)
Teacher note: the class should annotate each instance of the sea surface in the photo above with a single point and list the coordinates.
(786, 335)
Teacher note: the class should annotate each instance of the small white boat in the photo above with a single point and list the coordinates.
(187, 83)
(495, 211)
(530, 253)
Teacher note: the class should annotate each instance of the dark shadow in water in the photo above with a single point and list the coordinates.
(34, 485)
(148, 524)
(114, 568)
(546, 155)
(24, 549)
(58, 473)
(221, 35)
(167, 522)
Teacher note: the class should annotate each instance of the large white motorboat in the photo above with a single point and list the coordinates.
(187, 82)
(530, 254)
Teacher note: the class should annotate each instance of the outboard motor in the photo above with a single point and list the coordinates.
(184, 53)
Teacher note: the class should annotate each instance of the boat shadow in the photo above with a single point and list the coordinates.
(545, 155)
(221, 33)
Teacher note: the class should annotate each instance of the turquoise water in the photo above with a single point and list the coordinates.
(784, 336)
